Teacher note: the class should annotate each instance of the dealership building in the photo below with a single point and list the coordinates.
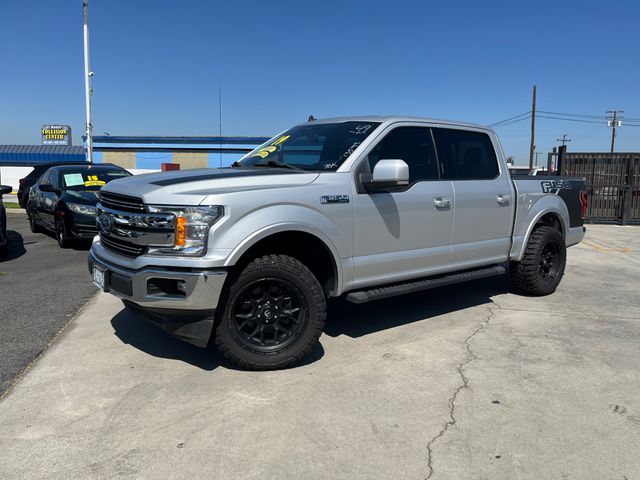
(190, 152)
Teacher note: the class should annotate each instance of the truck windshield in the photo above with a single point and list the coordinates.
(313, 147)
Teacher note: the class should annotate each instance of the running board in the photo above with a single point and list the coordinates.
(364, 296)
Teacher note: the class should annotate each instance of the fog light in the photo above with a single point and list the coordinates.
(182, 286)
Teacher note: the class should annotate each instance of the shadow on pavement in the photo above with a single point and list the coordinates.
(15, 246)
(147, 338)
(77, 244)
(345, 318)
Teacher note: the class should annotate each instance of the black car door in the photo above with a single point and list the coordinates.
(48, 200)
(36, 199)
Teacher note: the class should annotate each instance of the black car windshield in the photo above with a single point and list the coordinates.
(313, 147)
(89, 179)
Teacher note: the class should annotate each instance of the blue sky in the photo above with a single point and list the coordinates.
(158, 65)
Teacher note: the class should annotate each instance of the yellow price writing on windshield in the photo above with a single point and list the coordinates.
(93, 181)
(264, 152)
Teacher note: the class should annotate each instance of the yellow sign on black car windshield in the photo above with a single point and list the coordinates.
(93, 181)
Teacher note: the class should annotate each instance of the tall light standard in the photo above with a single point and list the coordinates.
(87, 80)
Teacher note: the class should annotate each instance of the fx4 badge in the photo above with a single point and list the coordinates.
(324, 199)
(554, 186)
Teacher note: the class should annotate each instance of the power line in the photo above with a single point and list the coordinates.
(508, 119)
(572, 114)
(506, 124)
(572, 119)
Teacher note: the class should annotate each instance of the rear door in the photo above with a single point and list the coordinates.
(483, 197)
(49, 200)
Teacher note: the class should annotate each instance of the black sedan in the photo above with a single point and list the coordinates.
(30, 180)
(4, 189)
(64, 199)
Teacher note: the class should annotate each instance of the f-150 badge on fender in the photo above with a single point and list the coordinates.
(554, 186)
(334, 199)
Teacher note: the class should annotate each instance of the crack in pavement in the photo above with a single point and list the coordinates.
(469, 357)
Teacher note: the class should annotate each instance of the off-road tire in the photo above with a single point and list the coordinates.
(229, 338)
(529, 275)
(33, 226)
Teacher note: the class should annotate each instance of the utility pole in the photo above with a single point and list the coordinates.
(87, 80)
(220, 121)
(533, 128)
(564, 139)
(537, 153)
(614, 119)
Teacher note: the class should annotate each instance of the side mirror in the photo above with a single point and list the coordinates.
(388, 175)
(5, 189)
(47, 187)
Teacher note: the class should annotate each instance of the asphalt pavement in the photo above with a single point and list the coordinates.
(464, 382)
(41, 288)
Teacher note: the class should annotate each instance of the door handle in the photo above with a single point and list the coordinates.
(442, 202)
(503, 199)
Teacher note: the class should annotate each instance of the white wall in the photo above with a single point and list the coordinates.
(12, 175)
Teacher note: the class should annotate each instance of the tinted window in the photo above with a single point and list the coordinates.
(46, 178)
(54, 179)
(323, 146)
(414, 146)
(465, 155)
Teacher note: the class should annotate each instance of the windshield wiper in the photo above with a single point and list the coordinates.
(277, 164)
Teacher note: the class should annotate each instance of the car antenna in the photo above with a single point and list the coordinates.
(311, 118)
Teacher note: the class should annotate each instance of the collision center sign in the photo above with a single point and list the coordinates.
(56, 135)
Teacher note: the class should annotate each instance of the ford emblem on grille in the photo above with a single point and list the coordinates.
(105, 222)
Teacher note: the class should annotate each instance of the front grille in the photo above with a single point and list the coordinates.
(121, 247)
(121, 202)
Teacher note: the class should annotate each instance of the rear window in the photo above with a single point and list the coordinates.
(465, 155)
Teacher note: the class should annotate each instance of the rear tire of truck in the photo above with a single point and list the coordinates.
(542, 266)
(274, 313)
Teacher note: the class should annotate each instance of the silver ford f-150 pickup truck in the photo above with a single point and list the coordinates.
(365, 207)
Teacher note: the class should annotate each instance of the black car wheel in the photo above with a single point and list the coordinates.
(542, 266)
(274, 313)
(33, 225)
(62, 236)
(23, 199)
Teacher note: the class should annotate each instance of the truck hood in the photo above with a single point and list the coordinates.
(191, 187)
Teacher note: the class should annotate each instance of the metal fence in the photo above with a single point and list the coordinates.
(613, 184)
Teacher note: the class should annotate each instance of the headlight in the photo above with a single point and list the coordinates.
(191, 229)
(83, 209)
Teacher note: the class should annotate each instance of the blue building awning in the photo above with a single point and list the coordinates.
(26, 155)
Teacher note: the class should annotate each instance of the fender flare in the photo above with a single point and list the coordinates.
(519, 243)
(282, 227)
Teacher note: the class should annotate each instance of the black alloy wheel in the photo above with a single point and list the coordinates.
(549, 265)
(33, 226)
(541, 267)
(268, 314)
(61, 233)
(271, 313)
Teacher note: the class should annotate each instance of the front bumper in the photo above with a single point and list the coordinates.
(187, 315)
(202, 288)
(82, 226)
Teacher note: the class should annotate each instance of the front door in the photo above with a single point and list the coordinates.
(403, 234)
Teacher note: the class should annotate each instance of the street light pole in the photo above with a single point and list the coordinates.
(87, 80)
